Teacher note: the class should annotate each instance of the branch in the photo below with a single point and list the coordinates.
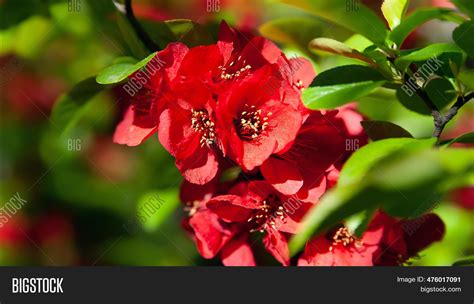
(141, 33)
(441, 120)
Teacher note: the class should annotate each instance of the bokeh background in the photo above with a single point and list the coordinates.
(80, 193)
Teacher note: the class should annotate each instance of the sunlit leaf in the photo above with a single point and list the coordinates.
(393, 11)
(121, 71)
(341, 85)
(338, 48)
(420, 16)
(425, 53)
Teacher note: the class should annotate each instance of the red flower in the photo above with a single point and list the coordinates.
(210, 232)
(187, 130)
(341, 248)
(255, 122)
(387, 241)
(319, 149)
(256, 206)
(141, 119)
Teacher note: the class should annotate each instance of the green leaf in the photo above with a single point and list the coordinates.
(439, 90)
(466, 6)
(363, 159)
(296, 31)
(425, 53)
(466, 138)
(338, 48)
(361, 20)
(341, 85)
(393, 11)
(463, 36)
(156, 207)
(377, 130)
(467, 261)
(118, 72)
(405, 183)
(70, 107)
(467, 78)
(419, 17)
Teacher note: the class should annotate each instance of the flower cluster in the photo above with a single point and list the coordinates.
(237, 104)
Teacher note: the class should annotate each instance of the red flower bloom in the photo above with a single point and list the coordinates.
(210, 232)
(387, 241)
(187, 130)
(256, 206)
(253, 124)
(141, 119)
(341, 248)
(319, 149)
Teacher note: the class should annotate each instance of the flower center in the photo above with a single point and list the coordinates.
(202, 123)
(344, 238)
(251, 123)
(234, 69)
(192, 207)
(269, 216)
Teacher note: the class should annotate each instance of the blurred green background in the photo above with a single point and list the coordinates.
(84, 194)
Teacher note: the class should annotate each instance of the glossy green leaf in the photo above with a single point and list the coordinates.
(463, 36)
(341, 85)
(118, 72)
(425, 53)
(338, 48)
(363, 159)
(418, 17)
(393, 11)
(377, 130)
(70, 107)
(360, 20)
(156, 207)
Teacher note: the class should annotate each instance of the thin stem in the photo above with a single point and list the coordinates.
(439, 119)
(141, 33)
(442, 120)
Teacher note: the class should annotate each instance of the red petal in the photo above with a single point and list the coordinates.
(231, 208)
(238, 252)
(297, 70)
(317, 253)
(276, 243)
(129, 134)
(201, 168)
(282, 174)
(211, 234)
